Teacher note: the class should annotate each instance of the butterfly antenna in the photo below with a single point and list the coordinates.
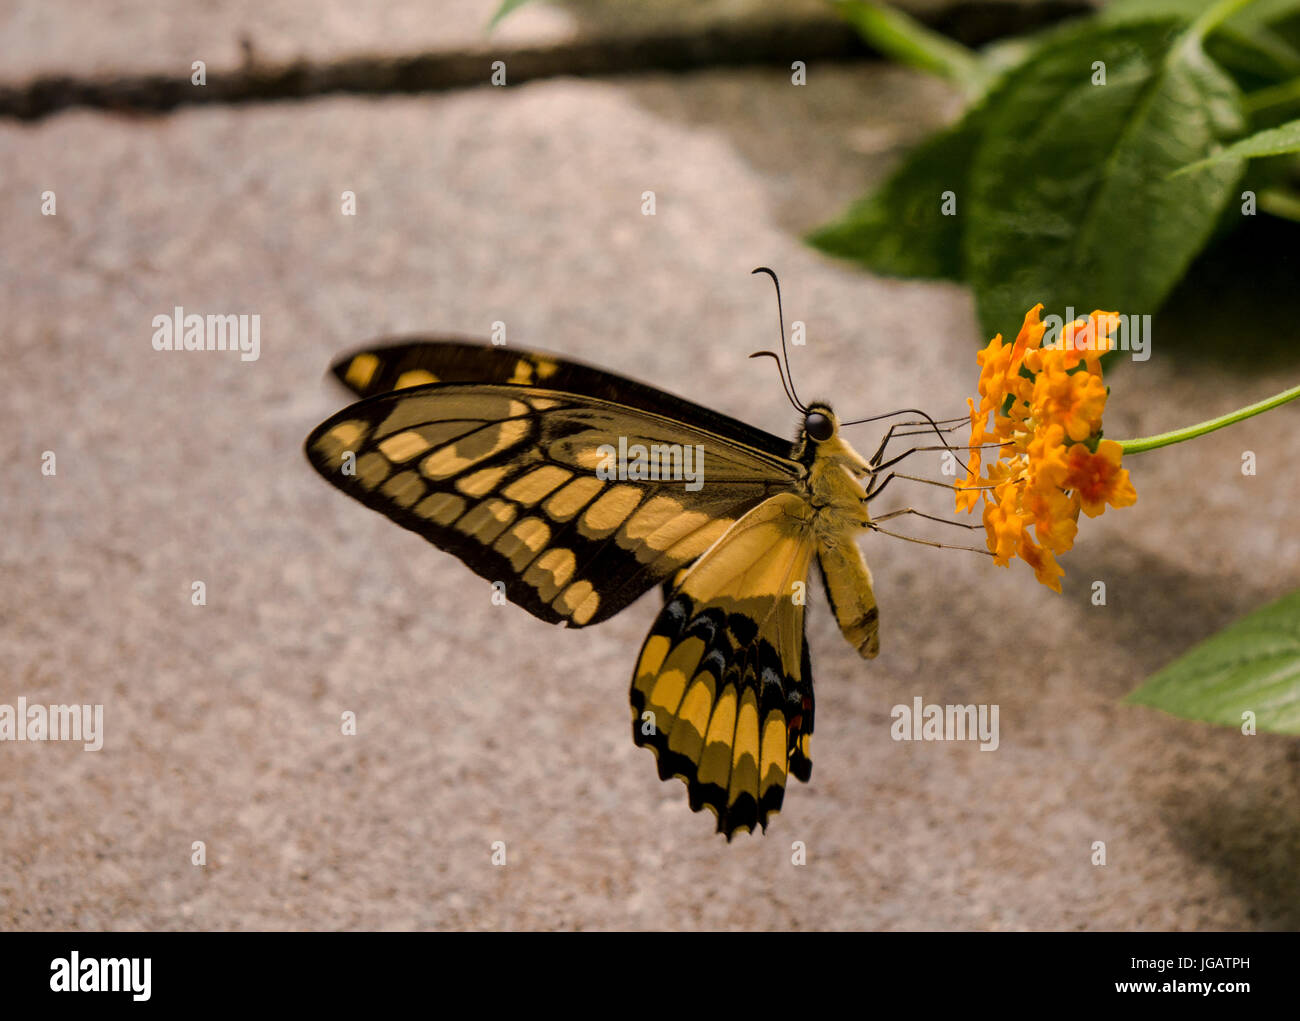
(787, 378)
(784, 385)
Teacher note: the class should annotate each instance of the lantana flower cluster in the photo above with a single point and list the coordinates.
(1050, 459)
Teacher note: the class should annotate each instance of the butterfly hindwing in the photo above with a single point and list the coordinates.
(504, 476)
(722, 691)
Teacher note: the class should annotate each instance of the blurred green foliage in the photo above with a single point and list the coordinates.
(1095, 160)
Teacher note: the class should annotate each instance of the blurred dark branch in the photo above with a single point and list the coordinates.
(769, 43)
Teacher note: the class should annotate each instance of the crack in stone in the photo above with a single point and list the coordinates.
(767, 43)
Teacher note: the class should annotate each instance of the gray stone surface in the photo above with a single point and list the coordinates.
(478, 723)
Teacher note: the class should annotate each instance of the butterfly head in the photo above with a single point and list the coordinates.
(819, 424)
(820, 442)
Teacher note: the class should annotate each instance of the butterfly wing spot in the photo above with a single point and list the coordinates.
(579, 602)
(418, 361)
(481, 482)
(772, 763)
(742, 795)
(403, 446)
(587, 609)
(715, 760)
(361, 370)
(536, 485)
(585, 455)
(404, 488)
(474, 447)
(415, 377)
(801, 758)
(654, 513)
(694, 544)
(692, 721)
(441, 508)
(487, 520)
(523, 542)
(652, 656)
(343, 437)
(669, 685)
(573, 497)
(684, 524)
(551, 572)
(608, 512)
(372, 469)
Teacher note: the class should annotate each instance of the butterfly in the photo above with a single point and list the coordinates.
(502, 457)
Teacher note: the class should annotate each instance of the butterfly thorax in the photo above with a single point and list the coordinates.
(834, 483)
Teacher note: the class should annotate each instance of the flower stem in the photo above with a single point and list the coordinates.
(1278, 202)
(1201, 428)
(906, 40)
(1215, 16)
(1285, 94)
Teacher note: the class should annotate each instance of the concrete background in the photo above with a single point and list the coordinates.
(478, 723)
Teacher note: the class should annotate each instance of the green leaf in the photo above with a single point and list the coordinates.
(1253, 665)
(1243, 39)
(1241, 14)
(1273, 142)
(906, 40)
(1258, 13)
(506, 7)
(899, 229)
(1070, 198)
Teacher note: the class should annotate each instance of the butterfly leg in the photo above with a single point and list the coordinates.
(880, 451)
(921, 514)
(927, 542)
(875, 458)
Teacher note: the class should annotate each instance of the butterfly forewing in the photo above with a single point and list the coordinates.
(505, 477)
(416, 362)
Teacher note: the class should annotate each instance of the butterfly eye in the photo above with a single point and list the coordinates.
(818, 426)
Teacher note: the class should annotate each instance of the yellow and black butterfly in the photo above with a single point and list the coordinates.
(500, 457)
